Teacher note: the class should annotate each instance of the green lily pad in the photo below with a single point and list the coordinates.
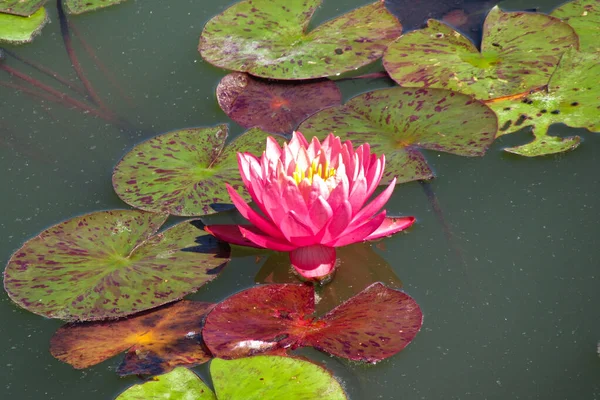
(571, 98)
(82, 6)
(519, 52)
(184, 172)
(23, 8)
(179, 384)
(398, 121)
(269, 39)
(584, 17)
(273, 377)
(111, 264)
(16, 29)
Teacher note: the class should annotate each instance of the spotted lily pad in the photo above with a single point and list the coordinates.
(82, 6)
(270, 39)
(156, 341)
(184, 172)
(572, 98)
(398, 121)
(23, 8)
(111, 264)
(273, 377)
(373, 325)
(179, 384)
(584, 17)
(519, 52)
(276, 107)
(16, 29)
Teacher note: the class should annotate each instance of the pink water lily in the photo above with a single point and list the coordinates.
(311, 199)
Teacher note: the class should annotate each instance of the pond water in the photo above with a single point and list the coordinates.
(508, 281)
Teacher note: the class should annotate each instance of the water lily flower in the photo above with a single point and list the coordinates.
(311, 199)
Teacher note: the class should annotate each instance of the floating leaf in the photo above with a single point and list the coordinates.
(16, 29)
(276, 107)
(584, 17)
(270, 39)
(156, 341)
(82, 6)
(398, 121)
(184, 172)
(111, 264)
(179, 384)
(273, 377)
(20, 7)
(371, 326)
(571, 98)
(519, 51)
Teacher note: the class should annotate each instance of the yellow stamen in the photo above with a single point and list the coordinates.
(316, 168)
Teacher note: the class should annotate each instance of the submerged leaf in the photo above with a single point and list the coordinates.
(519, 52)
(398, 121)
(273, 377)
(584, 17)
(156, 341)
(271, 317)
(270, 39)
(276, 107)
(16, 29)
(111, 264)
(82, 6)
(572, 98)
(20, 7)
(179, 384)
(183, 172)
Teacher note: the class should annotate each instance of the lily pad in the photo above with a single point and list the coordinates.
(16, 29)
(270, 39)
(519, 52)
(373, 325)
(183, 172)
(82, 6)
(398, 121)
(179, 384)
(584, 17)
(111, 264)
(156, 341)
(276, 107)
(273, 377)
(571, 98)
(23, 8)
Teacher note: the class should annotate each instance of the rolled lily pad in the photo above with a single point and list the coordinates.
(276, 107)
(16, 29)
(373, 325)
(179, 384)
(571, 98)
(273, 377)
(82, 6)
(23, 8)
(270, 39)
(519, 52)
(111, 264)
(398, 121)
(184, 172)
(156, 341)
(584, 17)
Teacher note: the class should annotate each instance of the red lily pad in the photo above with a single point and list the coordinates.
(156, 341)
(373, 325)
(270, 39)
(111, 264)
(20, 7)
(519, 52)
(183, 172)
(276, 107)
(398, 121)
(584, 17)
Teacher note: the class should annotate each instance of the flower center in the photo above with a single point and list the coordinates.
(316, 168)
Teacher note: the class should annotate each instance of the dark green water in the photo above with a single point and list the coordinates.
(511, 305)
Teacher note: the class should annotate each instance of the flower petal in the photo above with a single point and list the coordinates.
(230, 234)
(337, 225)
(320, 213)
(267, 242)
(296, 231)
(255, 218)
(313, 262)
(390, 226)
(375, 205)
(360, 233)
